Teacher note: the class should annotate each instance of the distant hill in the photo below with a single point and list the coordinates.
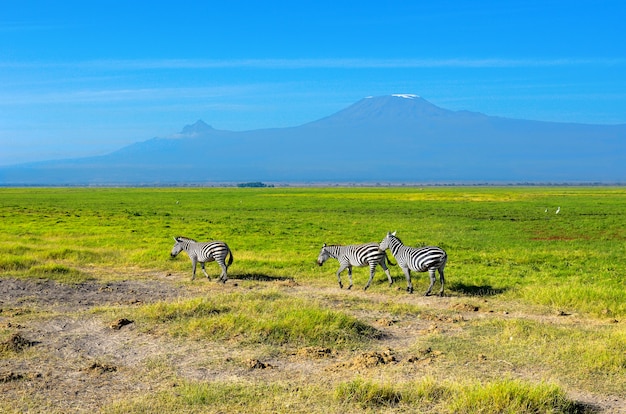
(396, 138)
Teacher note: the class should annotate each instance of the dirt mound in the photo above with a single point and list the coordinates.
(369, 360)
(15, 376)
(315, 352)
(256, 364)
(386, 322)
(101, 368)
(433, 328)
(10, 376)
(16, 343)
(425, 356)
(466, 307)
(118, 324)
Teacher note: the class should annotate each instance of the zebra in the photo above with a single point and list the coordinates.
(430, 258)
(356, 255)
(204, 252)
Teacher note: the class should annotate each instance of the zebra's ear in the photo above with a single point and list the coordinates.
(324, 245)
(394, 233)
(176, 239)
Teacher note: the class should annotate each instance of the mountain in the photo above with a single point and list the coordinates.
(396, 138)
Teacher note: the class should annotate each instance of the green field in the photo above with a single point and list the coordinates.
(534, 314)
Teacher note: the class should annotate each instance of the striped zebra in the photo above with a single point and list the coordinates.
(421, 259)
(204, 252)
(356, 255)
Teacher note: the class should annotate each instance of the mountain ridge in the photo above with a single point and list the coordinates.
(394, 138)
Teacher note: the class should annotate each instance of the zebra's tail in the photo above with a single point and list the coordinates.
(230, 260)
(389, 262)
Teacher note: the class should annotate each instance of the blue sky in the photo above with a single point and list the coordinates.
(82, 78)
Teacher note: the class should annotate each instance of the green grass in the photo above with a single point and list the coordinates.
(507, 396)
(498, 239)
(501, 396)
(217, 397)
(505, 253)
(593, 354)
(358, 395)
(263, 317)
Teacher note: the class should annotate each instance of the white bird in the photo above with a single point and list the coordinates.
(557, 210)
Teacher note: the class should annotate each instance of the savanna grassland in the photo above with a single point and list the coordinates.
(96, 317)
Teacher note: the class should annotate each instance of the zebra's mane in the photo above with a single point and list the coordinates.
(396, 237)
(333, 245)
(183, 238)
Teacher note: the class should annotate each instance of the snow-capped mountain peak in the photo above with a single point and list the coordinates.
(405, 95)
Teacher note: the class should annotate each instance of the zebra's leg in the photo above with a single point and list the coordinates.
(341, 269)
(204, 270)
(224, 275)
(409, 284)
(386, 269)
(372, 271)
(350, 277)
(433, 278)
(194, 263)
(442, 280)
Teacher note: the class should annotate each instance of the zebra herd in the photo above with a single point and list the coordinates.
(429, 259)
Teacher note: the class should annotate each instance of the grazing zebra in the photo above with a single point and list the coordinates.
(356, 255)
(204, 252)
(421, 259)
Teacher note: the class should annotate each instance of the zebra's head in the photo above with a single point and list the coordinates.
(178, 247)
(384, 245)
(324, 255)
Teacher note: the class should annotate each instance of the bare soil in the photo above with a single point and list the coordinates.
(66, 358)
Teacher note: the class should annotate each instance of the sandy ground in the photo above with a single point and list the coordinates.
(71, 360)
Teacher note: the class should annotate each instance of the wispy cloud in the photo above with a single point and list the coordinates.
(356, 63)
(95, 96)
(330, 63)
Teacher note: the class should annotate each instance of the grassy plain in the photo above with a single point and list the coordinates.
(533, 320)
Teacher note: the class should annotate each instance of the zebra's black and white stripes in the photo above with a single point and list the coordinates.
(204, 252)
(356, 255)
(430, 258)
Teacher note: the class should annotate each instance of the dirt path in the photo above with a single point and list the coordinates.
(73, 360)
